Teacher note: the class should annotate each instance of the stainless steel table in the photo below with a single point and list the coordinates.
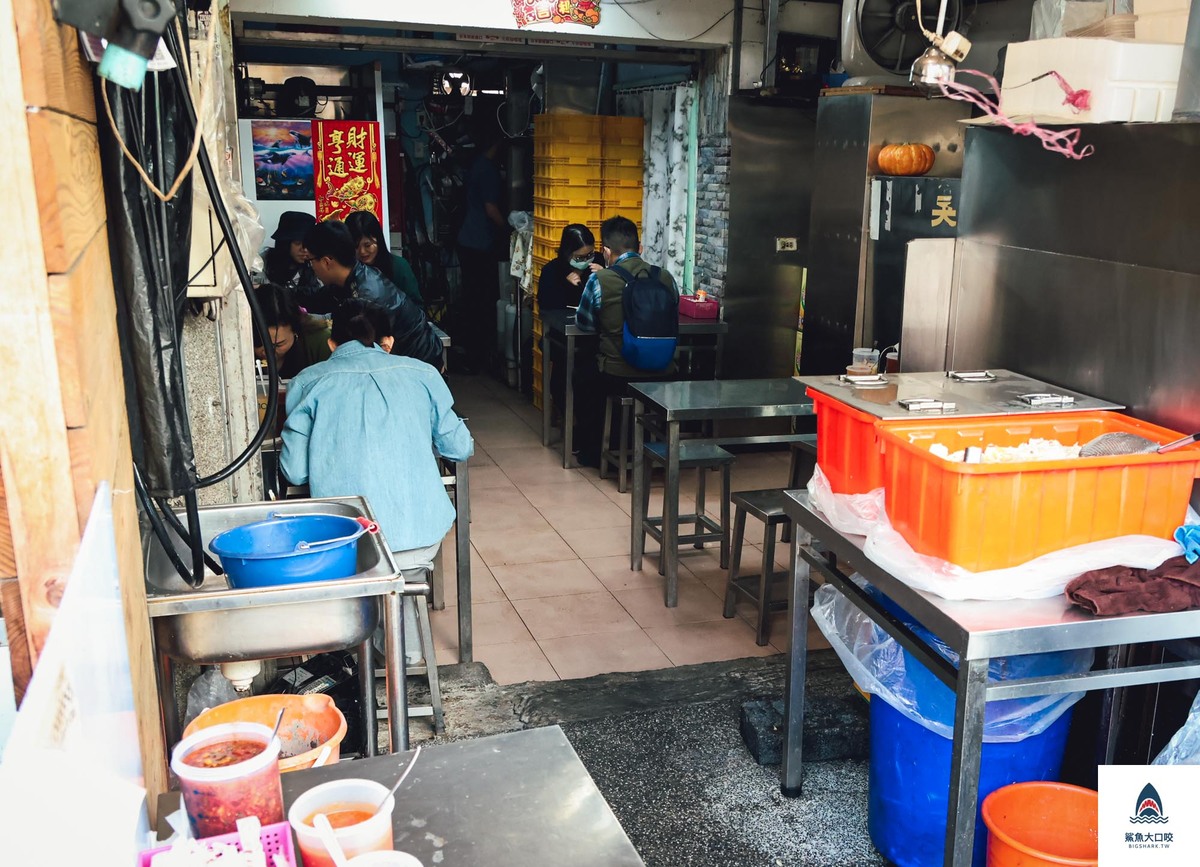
(514, 800)
(673, 403)
(558, 326)
(977, 632)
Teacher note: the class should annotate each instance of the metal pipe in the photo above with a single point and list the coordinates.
(397, 676)
(1187, 96)
(739, 10)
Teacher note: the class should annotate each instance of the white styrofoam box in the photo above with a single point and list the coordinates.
(1129, 81)
(1161, 27)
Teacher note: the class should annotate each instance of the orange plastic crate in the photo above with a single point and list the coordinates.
(847, 447)
(990, 516)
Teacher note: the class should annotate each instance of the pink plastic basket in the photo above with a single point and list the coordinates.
(276, 839)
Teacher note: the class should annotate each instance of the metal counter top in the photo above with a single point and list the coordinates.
(999, 396)
(728, 398)
(563, 322)
(514, 800)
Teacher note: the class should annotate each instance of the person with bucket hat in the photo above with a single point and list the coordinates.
(287, 263)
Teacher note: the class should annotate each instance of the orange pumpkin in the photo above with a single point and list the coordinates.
(905, 159)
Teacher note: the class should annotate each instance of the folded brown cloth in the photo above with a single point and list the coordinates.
(1172, 586)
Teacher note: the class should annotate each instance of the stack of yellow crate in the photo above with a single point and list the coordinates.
(586, 169)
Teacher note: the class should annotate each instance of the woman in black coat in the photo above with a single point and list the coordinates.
(560, 286)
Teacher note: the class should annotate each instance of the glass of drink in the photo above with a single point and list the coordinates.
(350, 807)
(228, 772)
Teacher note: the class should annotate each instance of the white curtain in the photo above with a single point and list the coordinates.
(668, 115)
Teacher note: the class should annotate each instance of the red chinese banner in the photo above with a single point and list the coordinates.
(528, 12)
(346, 173)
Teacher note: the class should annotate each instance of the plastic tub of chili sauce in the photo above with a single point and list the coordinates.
(226, 773)
(350, 807)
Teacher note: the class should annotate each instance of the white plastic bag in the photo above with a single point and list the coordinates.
(1040, 578)
(880, 666)
(1184, 747)
(208, 690)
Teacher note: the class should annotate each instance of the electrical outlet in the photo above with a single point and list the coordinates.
(785, 245)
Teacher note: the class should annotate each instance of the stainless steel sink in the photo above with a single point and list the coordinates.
(214, 623)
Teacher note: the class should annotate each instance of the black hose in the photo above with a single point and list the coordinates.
(195, 538)
(160, 531)
(256, 314)
(174, 523)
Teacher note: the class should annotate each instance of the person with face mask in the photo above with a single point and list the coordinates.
(559, 287)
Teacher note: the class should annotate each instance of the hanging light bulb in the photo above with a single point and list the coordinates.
(937, 65)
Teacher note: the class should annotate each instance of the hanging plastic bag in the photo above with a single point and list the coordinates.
(1040, 578)
(881, 666)
(1184, 746)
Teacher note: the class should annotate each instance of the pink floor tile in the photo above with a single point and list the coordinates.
(587, 655)
(510, 547)
(491, 623)
(516, 662)
(556, 578)
(582, 614)
(696, 604)
(692, 643)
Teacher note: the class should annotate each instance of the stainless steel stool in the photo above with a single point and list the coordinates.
(702, 457)
(800, 470)
(618, 457)
(428, 669)
(767, 506)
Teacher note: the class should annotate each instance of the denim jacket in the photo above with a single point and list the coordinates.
(367, 423)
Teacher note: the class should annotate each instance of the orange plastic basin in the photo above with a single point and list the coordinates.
(990, 516)
(309, 723)
(1038, 824)
(847, 447)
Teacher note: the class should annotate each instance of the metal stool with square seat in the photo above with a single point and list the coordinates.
(800, 470)
(767, 506)
(701, 457)
(427, 668)
(620, 456)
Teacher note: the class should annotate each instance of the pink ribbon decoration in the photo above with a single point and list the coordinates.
(1065, 142)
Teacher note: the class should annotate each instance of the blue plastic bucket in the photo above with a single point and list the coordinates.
(910, 781)
(290, 550)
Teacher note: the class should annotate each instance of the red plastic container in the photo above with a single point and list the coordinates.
(990, 516)
(690, 305)
(847, 446)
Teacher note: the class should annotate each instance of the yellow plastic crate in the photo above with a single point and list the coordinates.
(580, 211)
(543, 250)
(624, 130)
(622, 176)
(565, 153)
(554, 170)
(554, 188)
(537, 395)
(625, 197)
(578, 128)
(622, 154)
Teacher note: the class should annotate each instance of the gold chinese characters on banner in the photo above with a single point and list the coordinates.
(346, 172)
(530, 12)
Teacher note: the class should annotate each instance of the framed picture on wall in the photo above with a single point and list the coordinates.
(283, 160)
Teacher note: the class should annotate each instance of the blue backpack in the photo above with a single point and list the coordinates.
(651, 329)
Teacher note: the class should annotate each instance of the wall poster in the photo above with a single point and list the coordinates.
(283, 159)
(347, 174)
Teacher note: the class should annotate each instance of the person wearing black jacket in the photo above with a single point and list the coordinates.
(336, 265)
(559, 287)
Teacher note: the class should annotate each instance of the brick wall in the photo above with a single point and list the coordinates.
(712, 213)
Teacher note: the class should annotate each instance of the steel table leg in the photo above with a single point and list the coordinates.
(964, 762)
(166, 694)
(366, 685)
(397, 677)
(670, 526)
(546, 411)
(1112, 707)
(569, 409)
(719, 356)
(797, 664)
(637, 539)
(462, 540)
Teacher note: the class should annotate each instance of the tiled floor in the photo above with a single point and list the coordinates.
(554, 597)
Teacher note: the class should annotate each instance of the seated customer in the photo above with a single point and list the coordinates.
(286, 264)
(372, 248)
(365, 423)
(601, 312)
(559, 287)
(336, 265)
(299, 338)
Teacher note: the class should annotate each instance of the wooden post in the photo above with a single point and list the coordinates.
(63, 426)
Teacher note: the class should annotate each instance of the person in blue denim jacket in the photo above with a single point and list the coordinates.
(334, 260)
